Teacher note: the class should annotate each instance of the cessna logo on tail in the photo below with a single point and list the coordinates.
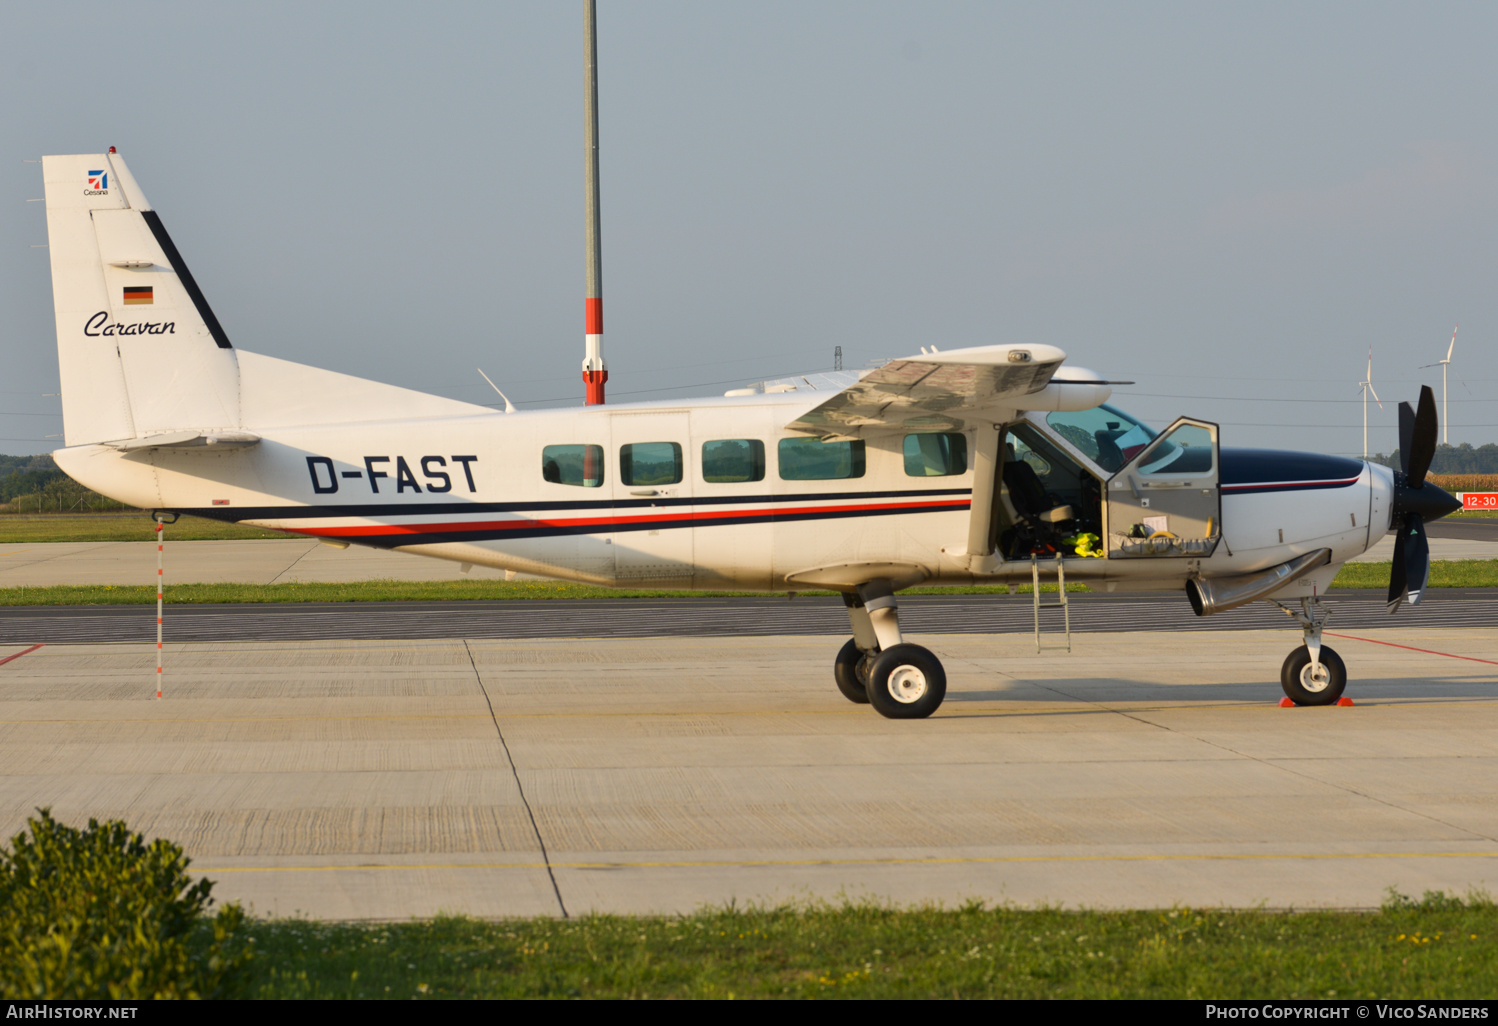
(98, 184)
(92, 327)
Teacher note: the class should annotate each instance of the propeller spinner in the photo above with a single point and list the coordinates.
(1415, 501)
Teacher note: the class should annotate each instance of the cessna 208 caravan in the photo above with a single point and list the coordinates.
(952, 467)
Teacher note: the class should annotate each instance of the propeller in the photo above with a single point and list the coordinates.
(1415, 501)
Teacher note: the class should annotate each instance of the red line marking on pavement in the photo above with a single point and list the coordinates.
(18, 655)
(1412, 648)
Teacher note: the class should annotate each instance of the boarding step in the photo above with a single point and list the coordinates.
(1061, 603)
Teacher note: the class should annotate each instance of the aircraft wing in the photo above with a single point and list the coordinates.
(943, 390)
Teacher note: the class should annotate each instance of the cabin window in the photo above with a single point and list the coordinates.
(580, 465)
(935, 455)
(1186, 451)
(813, 459)
(650, 463)
(733, 459)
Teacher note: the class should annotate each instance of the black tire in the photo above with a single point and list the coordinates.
(1295, 677)
(846, 672)
(906, 683)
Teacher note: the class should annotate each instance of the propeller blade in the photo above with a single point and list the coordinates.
(1451, 347)
(1375, 396)
(1423, 441)
(1416, 558)
(1398, 579)
(1411, 570)
(1406, 436)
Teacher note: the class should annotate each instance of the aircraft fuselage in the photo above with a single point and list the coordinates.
(476, 490)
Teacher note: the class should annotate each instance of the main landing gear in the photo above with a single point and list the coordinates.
(1313, 674)
(876, 666)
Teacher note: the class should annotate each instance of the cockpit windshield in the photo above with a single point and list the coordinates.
(1104, 434)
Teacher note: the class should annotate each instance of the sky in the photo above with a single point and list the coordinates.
(1227, 204)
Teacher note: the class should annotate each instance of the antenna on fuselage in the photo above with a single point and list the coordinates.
(595, 370)
(509, 406)
(1367, 386)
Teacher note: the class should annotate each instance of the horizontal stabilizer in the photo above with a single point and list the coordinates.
(227, 439)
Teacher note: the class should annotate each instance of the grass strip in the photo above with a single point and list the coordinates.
(17, 528)
(1438, 947)
(1444, 573)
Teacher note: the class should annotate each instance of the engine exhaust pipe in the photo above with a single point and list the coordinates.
(1213, 595)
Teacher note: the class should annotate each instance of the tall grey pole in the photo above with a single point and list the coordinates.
(595, 370)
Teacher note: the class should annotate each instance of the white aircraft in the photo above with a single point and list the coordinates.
(955, 467)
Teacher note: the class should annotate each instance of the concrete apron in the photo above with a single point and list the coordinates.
(384, 780)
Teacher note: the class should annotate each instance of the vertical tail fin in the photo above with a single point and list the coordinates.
(139, 350)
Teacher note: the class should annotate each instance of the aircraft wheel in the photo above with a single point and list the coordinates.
(906, 683)
(851, 673)
(1303, 687)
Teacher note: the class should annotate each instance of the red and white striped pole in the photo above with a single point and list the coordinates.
(595, 370)
(160, 546)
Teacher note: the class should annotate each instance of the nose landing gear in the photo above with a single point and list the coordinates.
(1313, 674)
(1307, 683)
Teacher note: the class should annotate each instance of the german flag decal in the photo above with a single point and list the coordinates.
(138, 295)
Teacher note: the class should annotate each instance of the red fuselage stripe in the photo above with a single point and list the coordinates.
(615, 521)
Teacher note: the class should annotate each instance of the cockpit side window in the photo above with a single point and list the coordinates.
(935, 455)
(1056, 472)
(1104, 434)
(1187, 451)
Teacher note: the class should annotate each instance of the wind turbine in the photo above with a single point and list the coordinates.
(1367, 386)
(1444, 364)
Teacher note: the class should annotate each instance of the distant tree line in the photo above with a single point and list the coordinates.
(1453, 459)
(35, 484)
(22, 475)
